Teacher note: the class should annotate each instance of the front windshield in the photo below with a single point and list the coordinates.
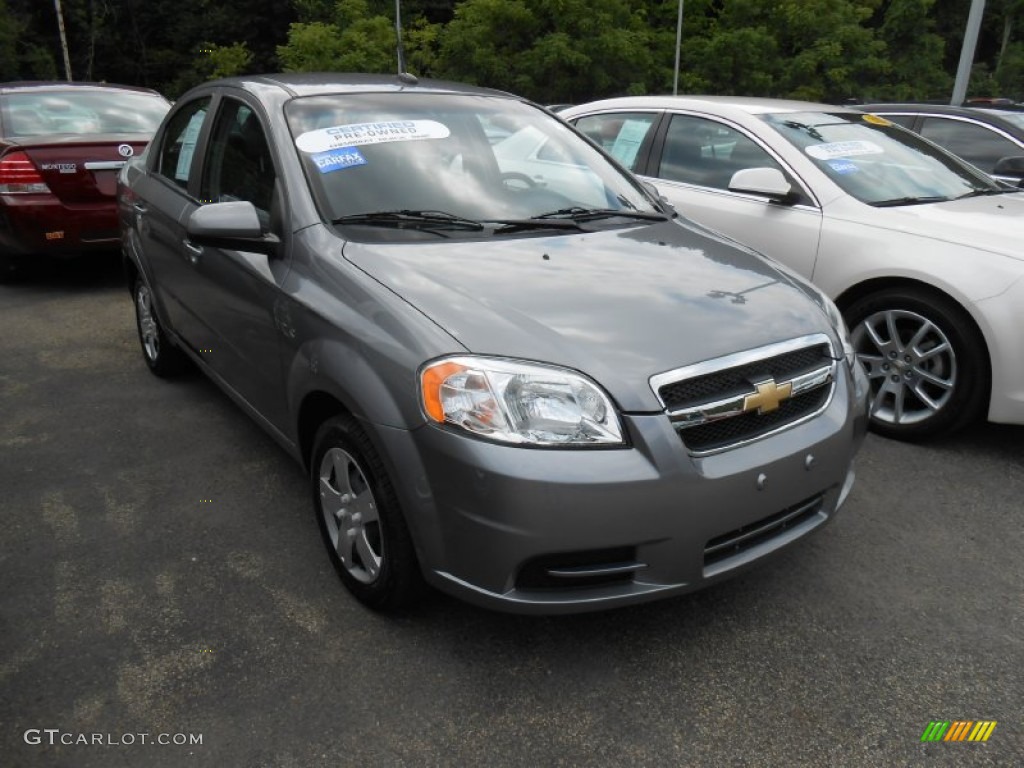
(472, 158)
(878, 162)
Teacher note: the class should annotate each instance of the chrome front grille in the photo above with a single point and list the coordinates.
(731, 400)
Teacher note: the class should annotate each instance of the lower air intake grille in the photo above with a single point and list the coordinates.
(748, 536)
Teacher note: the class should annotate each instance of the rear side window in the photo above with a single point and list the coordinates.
(620, 134)
(178, 146)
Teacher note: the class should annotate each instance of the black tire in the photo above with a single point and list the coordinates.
(932, 376)
(378, 565)
(163, 358)
(10, 268)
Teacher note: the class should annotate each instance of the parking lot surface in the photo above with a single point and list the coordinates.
(163, 580)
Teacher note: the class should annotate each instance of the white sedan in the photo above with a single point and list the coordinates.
(923, 253)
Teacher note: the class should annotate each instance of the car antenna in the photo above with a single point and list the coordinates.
(403, 76)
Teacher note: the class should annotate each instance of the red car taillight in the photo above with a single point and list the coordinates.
(19, 176)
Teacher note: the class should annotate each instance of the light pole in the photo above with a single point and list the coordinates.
(679, 41)
(63, 40)
(398, 33)
(963, 72)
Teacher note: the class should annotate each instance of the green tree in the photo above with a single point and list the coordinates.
(916, 53)
(550, 50)
(354, 41)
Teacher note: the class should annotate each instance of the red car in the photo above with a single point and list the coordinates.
(61, 147)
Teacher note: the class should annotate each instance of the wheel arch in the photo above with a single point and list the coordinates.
(316, 407)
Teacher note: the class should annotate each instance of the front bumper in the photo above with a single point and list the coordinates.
(561, 531)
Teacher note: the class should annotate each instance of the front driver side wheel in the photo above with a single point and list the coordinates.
(360, 519)
(925, 361)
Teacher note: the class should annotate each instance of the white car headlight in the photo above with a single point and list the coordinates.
(517, 402)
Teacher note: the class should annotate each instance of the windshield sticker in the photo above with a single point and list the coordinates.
(843, 166)
(876, 120)
(838, 149)
(359, 134)
(338, 159)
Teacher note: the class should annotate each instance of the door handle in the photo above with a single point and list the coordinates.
(192, 251)
(140, 207)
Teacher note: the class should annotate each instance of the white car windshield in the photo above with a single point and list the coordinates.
(460, 158)
(877, 161)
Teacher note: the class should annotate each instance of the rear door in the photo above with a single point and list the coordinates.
(161, 203)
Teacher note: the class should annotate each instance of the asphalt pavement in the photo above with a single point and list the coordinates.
(164, 581)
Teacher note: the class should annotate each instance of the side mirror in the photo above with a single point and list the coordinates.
(1010, 169)
(767, 182)
(662, 200)
(235, 226)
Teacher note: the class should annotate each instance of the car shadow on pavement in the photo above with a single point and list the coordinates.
(87, 273)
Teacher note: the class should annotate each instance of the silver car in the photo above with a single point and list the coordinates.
(539, 395)
(921, 251)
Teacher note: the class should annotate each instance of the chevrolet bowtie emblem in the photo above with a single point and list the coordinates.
(768, 396)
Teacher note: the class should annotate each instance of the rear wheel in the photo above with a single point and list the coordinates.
(925, 360)
(162, 357)
(360, 519)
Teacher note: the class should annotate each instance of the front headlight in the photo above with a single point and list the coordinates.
(836, 318)
(517, 402)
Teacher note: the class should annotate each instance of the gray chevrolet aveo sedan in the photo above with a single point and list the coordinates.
(510, 370)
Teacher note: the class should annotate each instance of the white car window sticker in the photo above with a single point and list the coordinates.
(838, 149)
(628, 142)
(359, 134)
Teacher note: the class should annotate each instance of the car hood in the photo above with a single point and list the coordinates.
(618, 305)
(993, 223)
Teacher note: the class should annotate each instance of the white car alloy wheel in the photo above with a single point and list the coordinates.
(910, 362)
(925, 361)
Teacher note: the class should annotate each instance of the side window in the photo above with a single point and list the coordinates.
(179, 142)
(238, 164)
(620, 134)
(905, 120)
(707, 153)
(974, 143)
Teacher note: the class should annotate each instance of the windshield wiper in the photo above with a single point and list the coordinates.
(910, 201)
(572, 218)
(986, 192)
(403, 218)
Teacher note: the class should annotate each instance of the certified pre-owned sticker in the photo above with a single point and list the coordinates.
(338, 159)
(838, 149)
(359, 134)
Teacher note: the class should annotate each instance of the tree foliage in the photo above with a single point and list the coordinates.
(550, 50)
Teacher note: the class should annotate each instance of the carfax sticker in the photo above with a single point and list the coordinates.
(843, 166)
(837, 149)
(360, 134)
(338, 159)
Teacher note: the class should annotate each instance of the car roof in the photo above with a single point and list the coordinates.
(322, 83)
(753, 105)
(972, 110)
(42, 86)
